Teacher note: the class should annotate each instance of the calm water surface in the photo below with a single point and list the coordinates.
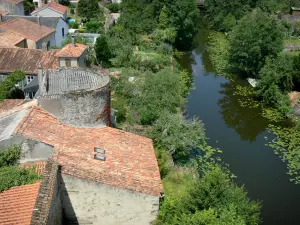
(240, 133)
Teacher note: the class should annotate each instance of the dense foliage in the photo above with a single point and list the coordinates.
(10, 174)
(256, 37)
(88, 8)
(9, 83)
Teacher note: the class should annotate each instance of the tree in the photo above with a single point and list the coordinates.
(88, 8)
(164, 21)
(9, 83)
(224, 14)
(177, 134)
(95, 26)
(256, 37)
(103, 53)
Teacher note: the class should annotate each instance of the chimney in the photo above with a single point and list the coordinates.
(73, 40)
(38, 20)
(44, 46)
(41, 79)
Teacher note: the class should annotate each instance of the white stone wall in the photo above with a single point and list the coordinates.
(59, 38)
(48, 13)
(99, 204)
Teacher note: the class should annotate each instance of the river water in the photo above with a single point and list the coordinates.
(240, 132)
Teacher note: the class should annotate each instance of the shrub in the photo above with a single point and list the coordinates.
(10, 156)
(9, 83)
(114, 7)
(74, 25)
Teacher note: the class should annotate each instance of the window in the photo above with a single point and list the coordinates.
(68, 62)
(48, 44)
(63, 31)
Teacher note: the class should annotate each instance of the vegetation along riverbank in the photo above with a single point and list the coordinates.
(148, 95)
(253, 40)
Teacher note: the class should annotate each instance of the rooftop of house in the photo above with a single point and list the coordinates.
(130, 160)
(72, 51)
(21, 26)
(12, 112)
(27, 60)
(44, 21)
(10, 39)
(17, 204)
(15, 1)
(53, 5)
(39, 166)
(295, 8)
(61, 81)
(2, 12)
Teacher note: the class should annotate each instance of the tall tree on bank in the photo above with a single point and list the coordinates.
(88, 8)
(257, 36)
(223, 14)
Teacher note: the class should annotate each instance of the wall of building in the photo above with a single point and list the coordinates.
(48, 206)
(22, 44)
(50, 37)
(31, 44)
(10, 7)
(81, 109)
(59, 38)
(82, 60)
(47, 12)
(98, 204)
(62, 62)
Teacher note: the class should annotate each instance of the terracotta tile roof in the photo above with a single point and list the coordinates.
(10, 39)
(17, 204)
(26, 28)
(53, 5)
(10, 106)
(70, 51)
(130, 159)
(12, 59)
(2, 12)
(39, 166)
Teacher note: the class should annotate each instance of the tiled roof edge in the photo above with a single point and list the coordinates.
(46, 194)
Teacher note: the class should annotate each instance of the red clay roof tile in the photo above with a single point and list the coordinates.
(130, 159)
(2, 12)
(27, 60)
(17, 204)
(26, 28)
(39, 166)
(53, 5)
(70, 51)
(10, 39)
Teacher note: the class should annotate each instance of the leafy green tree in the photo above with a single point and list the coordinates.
(256, 37)
(103, 52)
(95, 26)
(10, 156)
(213, 199)
(177, 134)
(88, 8)
(224, 14)
(164, 21)
(9, 83)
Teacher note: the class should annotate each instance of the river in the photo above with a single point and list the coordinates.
(240, 132)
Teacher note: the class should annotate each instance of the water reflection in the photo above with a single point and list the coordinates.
(247, 122)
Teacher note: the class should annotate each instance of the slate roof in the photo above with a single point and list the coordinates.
(33, 86)
(27, 60)
(17, 204)
(53, 5)
(21, 26)
(10, 39)
(62, 81)
(130, 160)
(73, 52)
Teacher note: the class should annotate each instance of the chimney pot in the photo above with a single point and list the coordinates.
(73, 40)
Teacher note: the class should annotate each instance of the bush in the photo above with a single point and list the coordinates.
(73, 25)
(114, 7)
(95, 26)
(88, 9)
(9, 83)
(10, 156)
(11, 176)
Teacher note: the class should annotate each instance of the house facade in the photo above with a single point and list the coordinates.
(14, 7)
(52, 9)
(58, 23)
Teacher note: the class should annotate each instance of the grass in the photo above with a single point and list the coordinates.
(295, 41)
(178, 181)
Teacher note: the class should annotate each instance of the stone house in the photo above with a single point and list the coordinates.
(52, 9)
(34, 33)
(58, 23)
(14, 7)
(96, 175)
